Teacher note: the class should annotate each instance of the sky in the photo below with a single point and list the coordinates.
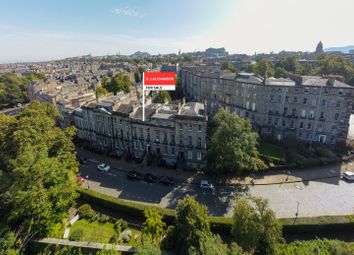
(38, 30)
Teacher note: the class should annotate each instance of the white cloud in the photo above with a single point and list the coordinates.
(127, 11)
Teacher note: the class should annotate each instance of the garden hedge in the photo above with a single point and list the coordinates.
(221, 225)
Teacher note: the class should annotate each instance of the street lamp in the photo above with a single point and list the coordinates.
(88, 185)
(297, 209)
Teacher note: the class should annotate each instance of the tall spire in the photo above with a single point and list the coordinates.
(319, 48)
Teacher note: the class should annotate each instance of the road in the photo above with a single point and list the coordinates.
(330, 196)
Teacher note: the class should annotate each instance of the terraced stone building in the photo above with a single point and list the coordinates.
(173, 133)
(307, 108)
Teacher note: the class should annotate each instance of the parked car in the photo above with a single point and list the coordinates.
(134, 175)
(103, 167)
(170, 165)
(138, 159)
(79, 179)
(150, 178)
(82, 160)
(166, 181)
(115, 154)
(348, 175)
(205, 185)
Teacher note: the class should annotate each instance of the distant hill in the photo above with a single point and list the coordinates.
(344, 49)
(140, 54)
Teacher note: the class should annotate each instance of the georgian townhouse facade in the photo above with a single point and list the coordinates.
(308, 108)
(176, 133)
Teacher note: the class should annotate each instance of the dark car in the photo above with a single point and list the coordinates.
(150, 178)
(166, 181)
(138, 159)
(82, 160)
(134, 175)
(115, 154)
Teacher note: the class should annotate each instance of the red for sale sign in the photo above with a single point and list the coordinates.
(159, 81)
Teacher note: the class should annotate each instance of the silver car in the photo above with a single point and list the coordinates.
(348, 176)
(103, 167)
(205, 185)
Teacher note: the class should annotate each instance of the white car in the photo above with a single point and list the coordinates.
(103, 167)
(348, 175)
(204, 185)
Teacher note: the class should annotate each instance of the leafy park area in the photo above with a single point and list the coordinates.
(241, 234)
(96, 227)
(297, 154)
(13, 88)
(234, 148)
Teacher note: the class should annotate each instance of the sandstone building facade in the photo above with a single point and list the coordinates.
(307, 108)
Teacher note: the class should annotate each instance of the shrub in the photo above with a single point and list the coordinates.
(86, 212)
(126, 236)
(76, 235)
(115, 238)
(103, 218)
(124, 224)
(118, 226)
(324, 152)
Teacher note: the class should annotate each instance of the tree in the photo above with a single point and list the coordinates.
(101, 91)
(39, 160)
(178, 93)
(280, 72)
(104, 81)
(13, 89)
(227, 65)
(192, 226)
(290, 64)
(137, 76)
(153, 227)
(255, 227)
(212, 245)
(147, 248)
(338, 65)
(233, 145)
(264, 68)
(119, 82)
(162, 97)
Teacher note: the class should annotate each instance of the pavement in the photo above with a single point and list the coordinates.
(308, 192)
(351, 127)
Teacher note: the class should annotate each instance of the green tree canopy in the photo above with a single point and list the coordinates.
(13, 88)
(264, 68)
(147, 248)
(153, 227)
(255, 227)
(101, 91)
(290, 64)
(338, 65)
(192, 225)
(119, 82)
(227, 65)
(163, 97)
(39, 160)
(280, 72)
(233, 145)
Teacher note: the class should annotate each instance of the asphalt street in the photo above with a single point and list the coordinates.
(330, 196)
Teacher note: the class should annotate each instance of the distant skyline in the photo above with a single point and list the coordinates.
(43, 30)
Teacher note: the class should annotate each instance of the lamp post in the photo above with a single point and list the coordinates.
(297, 209)
(88, 185)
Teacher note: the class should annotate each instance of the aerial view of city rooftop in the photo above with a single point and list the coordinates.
(190, 127)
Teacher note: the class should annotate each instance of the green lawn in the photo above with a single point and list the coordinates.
(273, 151)
(101, 232)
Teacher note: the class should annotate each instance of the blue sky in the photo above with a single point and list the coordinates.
(41, 30)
